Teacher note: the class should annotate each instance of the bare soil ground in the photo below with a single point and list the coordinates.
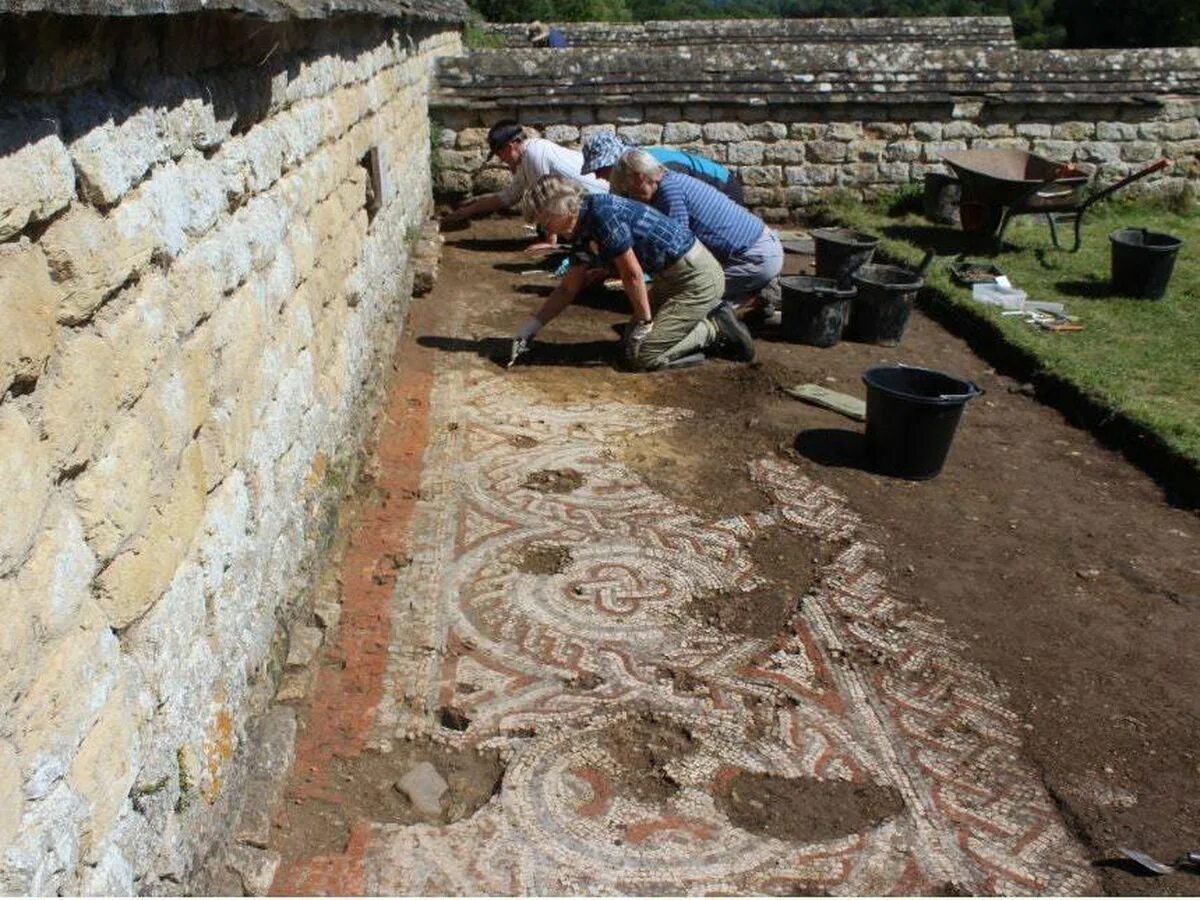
(1058, 564)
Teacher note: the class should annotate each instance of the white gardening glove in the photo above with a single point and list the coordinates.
(523, 340)
(634, 335)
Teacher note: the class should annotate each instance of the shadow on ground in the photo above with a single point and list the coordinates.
(496, 350)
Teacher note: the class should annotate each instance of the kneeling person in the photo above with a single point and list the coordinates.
(671, 319)
(749, 251)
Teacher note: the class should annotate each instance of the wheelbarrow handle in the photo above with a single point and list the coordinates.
(1129, 179)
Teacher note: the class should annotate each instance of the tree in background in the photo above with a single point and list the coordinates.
(1037, 23)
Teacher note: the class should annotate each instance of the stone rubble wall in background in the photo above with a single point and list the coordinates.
(799, 122)
(198, 309)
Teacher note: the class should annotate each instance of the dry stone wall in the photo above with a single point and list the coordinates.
(205, 232)
(798, 121)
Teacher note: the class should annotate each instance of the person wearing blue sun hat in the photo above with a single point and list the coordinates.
(602, 150)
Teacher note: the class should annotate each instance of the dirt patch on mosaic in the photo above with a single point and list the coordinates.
(643, 746)
(544, 559)
(389, 788)
(554, 481)
(804, 809)
(761, 613)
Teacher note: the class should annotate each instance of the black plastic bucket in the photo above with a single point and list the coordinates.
(1142, 262)
(815, 310)
(840, 251)
(912, 414)
(881, 306)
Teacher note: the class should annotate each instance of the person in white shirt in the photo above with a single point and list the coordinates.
(529, 159)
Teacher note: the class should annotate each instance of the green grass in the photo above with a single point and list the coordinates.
(1138, 357)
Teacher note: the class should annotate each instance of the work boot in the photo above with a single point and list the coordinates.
(733, 338)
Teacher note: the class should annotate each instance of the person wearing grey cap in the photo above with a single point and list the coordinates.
(602, 150)
(528, 159)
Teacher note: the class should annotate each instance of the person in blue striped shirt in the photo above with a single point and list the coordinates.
(602, 150)
(748, 251)
(679, 315)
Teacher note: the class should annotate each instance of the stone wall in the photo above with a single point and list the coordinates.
(201, 281)
(972, 31)
(800, 121)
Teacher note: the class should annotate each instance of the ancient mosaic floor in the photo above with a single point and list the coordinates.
(547, 668)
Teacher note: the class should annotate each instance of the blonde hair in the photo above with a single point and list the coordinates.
(631, 163)
(554, 195)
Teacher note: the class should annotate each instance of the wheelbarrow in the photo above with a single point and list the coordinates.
(998, 184)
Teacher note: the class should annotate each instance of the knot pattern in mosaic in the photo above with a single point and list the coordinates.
(546, 604)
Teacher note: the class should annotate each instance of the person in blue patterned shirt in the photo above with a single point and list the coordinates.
(671, 319)
(748, 251)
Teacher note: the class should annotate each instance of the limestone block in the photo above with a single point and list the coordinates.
(103, 769)
(842, 131)
(895, 172)
(1099, 151)
(303, 643)
(1019, 143)
(717, 152)
(1060, 151)
(472, 139)
(866, 151)
(254, 868)
(858, 174)
(26, 479)
(767, 131)
(1034, 130)
(488, 180)
(1139, 151)
(826, 151)
(785, 152)
(1180, 130)
(562, 134)
(646, 134)
(10, 789)
(801, 196)
(83, 391)
(138, 576)
(90, 258)
(36, 175)
(187, 197)
(18, 648)
(47, 846)
(680, 133)
(72, 685)
(459, 161)
(810, 175)
(28, 300)
(185, 116)
(966, 109)
(110, 875)
(805, 131)
(114, 494)
(424, 787)
(884, 131)
(56, 580)
(961, 131)
(447, 138)
(903, 151)
(747, 153)
(588, 130)
(761, 176)
(932, 152)
(758, 196)
(1116, 131)
(724, 132)
(926, 131)
(51, 54)
(999, 129)
(115, 147)
(1073, 131)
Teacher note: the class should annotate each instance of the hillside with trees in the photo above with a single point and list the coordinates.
(1037, 23)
